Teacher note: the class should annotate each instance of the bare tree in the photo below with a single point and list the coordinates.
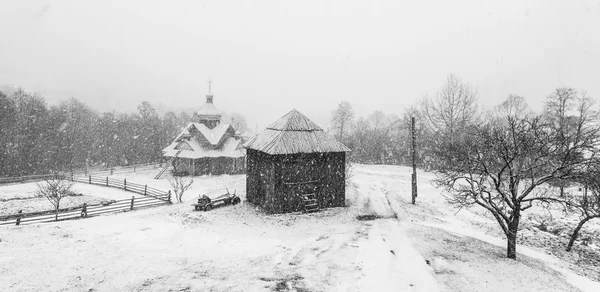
(454, 106)
(587, 204)
(238, 121)
(54, 190)
(513, 106)
(500, 167)
(180, 184)
(341, 119)
(557, 107)
(558, 104)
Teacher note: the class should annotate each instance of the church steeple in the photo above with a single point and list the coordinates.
(209, 95)
(208, 114)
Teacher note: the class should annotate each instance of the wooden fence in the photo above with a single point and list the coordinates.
(102, 171)
(153, 197)
(121, 169)
(20, 179)
(122, 184)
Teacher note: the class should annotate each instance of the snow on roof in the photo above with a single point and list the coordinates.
(294, 121)
(294, 133)
(229, 149)
(213, 135)
(209, 111)
(184, 132)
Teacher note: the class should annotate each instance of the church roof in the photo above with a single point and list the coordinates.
(294, 121)
(192, 149)
(209, 111)
(222, 144)
(213, 135)
(295, 133)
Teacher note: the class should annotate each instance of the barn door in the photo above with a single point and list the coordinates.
(298, 192)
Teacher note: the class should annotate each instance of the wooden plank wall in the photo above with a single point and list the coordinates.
(268, 174)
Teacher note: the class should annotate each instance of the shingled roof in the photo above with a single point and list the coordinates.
(226, 146)
(295, 133)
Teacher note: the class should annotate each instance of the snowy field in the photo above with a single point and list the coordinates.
(427, 247)
(15, 197)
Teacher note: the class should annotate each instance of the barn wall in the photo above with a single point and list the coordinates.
(334, 189)
(270, 203)
(251, 175)
(322, 173)
(295, 169)
(267, 175)
(259, 177)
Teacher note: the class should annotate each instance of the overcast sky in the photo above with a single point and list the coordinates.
(268, 57)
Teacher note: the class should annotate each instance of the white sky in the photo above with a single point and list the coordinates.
(267, 57)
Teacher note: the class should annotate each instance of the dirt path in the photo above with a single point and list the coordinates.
(453, 244)
(390, 262)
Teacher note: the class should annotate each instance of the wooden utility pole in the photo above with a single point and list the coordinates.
(414, 162)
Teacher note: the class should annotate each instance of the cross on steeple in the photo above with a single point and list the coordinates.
(209, 85)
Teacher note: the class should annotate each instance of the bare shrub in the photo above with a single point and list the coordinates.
(180, 184)
(54, 190)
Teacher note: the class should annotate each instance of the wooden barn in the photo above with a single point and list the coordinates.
(294, 165)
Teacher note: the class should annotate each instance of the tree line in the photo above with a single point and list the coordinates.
(38, 138)
(505, 160)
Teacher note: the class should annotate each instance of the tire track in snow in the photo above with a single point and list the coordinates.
(390, 263)
(388, 260)
(322, 263)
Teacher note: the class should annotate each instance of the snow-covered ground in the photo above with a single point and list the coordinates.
(239, 248)
(15, 197)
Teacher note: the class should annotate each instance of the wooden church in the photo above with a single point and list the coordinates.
(207, 146)
(295, 166)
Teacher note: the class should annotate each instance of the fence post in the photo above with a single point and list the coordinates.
(169, 197)
(145, 188)
(90, 180)
(107, 181)
(84, 211)
(134, 168)
(19, 214)
(72, 179)
(125, 184)
(111, 171)
(132, 198)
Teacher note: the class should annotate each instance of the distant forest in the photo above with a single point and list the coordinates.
(37, 138)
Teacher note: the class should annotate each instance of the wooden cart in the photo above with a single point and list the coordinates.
(206, 203)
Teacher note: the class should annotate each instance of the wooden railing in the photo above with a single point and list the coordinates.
(152, 197)
(15, 179)
(124, 185)
(106, 171)
(83, 211)
(121, 169)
